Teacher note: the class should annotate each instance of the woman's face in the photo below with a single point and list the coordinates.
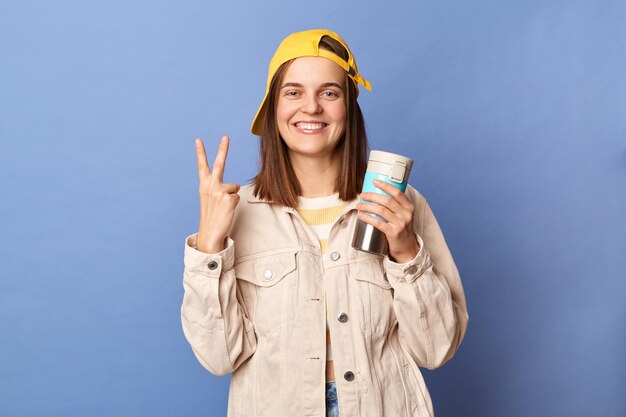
(311, 109)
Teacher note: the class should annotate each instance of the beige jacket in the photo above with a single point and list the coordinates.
(258, 309)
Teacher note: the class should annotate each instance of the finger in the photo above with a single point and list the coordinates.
(388, 188)
(220, 159)
(382, 211)
(383, 200)
(377, 223)
(393, 191)
(203, 165)
(231, 188)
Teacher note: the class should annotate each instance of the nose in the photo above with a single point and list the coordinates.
(311, 104)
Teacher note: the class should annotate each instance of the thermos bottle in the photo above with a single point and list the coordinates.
(393, 169)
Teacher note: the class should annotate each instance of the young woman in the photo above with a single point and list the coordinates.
(274, 292)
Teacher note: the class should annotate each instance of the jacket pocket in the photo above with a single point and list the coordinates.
(370, 270)
(268, 283)
(376, 295)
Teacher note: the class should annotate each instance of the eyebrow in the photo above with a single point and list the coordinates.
(325, 85)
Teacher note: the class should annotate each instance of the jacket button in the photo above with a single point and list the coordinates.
(343, 317)
(412, 270)
(212, 265)
(267, 275)
(348, 376)
(334, 256)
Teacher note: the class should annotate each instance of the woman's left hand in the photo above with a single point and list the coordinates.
(398, 211)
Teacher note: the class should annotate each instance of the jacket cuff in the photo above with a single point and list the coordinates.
(209, 264)
(411, 270)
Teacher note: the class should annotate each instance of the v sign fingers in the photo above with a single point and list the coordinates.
(220, 159)
(217, 200)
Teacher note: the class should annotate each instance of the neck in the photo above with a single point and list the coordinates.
(316, 175)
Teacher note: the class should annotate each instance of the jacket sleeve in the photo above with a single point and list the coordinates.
(429, 301)
(214, 321)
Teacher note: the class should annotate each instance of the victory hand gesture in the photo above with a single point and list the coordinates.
(217, 200)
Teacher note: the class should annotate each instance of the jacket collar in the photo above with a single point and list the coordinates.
(252, 199)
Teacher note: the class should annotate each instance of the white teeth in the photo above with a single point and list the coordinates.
(310, 126)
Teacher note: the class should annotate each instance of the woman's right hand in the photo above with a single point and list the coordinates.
(217, 200)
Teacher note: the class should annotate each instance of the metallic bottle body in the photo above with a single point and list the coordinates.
(367, 238)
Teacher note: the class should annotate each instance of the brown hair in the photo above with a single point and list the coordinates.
(276, 180)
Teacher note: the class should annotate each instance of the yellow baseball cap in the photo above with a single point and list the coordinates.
(301, 44)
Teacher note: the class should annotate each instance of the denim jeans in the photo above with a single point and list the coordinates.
(332, 406)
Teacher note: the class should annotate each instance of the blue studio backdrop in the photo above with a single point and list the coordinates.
(515, 115)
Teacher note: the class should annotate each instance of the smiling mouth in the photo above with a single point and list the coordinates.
(308, 127)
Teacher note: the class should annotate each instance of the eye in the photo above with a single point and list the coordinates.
(292, 93)
(330, 94)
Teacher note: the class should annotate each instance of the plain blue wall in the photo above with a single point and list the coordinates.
(514, 111)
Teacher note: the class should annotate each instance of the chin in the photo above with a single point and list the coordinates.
(315, 152)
